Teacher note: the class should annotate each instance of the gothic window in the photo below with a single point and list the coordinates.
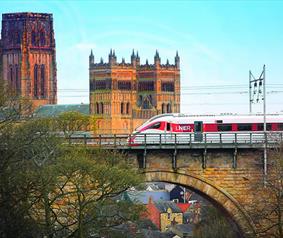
(33, 38)
(146, 104)
(18, 82)
(11, 78)
(42, 81)
(150, 99)
(122, 108)
(140, 100)
(169, 108)
(163, 108)
(97, 108)
(42, 38)
(167, 86)
(102, 84)
(17, 38)
(35, 85)
(101, 108)
(128, 108)
(146, 86)
(124, 85)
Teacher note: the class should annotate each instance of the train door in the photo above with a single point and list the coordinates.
(198, 129)
(168, 133)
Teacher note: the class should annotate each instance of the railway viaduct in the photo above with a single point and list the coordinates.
(228, 184)
(227, 174)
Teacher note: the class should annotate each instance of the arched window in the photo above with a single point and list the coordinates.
(122, 108)
(33, 38)
(18, 80)
(150, 99)
(42, 81)
(17, 38)
(42, 38)
(11, 78)
(97, 108)
(163, 108)
(140, 100)
(35, 85)
(101, 108)
(128, 108)
(169, 108)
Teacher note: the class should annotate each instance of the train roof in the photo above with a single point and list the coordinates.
(222, 118)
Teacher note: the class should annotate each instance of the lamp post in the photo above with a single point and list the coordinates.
(257, 86)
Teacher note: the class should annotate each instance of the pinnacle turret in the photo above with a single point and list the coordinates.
(91, 58)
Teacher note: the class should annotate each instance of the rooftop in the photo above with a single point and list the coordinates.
(55, 110)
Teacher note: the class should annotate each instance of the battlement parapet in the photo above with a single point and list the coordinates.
(26, 15)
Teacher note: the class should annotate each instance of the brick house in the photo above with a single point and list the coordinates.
(164, 214)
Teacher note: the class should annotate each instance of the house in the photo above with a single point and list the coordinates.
(180, 194)
(164, 214)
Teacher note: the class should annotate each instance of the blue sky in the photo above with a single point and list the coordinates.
(218, 43)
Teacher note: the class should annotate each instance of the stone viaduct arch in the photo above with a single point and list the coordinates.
(221, 197)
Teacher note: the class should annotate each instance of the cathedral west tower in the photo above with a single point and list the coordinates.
(28, 57)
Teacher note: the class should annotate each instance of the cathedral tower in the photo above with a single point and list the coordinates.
(124, 95)
(28, 56)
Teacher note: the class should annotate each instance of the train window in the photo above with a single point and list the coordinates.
(155, 126)
(168, 127)
(244, 127)
(268, 126)
(224, 127)
(280, 126)
(198, 126)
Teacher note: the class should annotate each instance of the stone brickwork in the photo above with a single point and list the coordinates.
(125, 95)
(228, 185)
(28, 57)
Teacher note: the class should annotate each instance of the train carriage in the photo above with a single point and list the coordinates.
(183, 129)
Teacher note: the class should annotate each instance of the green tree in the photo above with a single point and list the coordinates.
(213, 224)
(267, 211)
(70, 122)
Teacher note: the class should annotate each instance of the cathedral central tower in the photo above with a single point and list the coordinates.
(124, 95)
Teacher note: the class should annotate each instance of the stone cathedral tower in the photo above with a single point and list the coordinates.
(28, 57)
(124, 95)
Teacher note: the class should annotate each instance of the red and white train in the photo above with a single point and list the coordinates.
(167, 128)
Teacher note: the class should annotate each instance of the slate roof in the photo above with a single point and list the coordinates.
(56, 109)
(163, 206)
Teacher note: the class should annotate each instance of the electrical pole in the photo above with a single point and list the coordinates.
(259, 88)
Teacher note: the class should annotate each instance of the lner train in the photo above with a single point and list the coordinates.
(182, 128)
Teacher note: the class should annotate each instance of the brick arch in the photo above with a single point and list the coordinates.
(216, 194)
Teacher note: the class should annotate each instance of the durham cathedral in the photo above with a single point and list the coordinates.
(122, 95)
